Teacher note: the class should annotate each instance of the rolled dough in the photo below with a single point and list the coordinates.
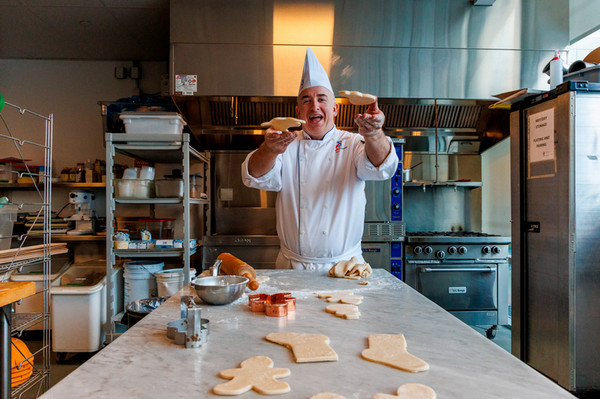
(409, 391)
(358, 98)
(306, 347)
(254, 373)
(342, 297)
(391, 350)
(343, 310)
(351, 269)
(283, 123)
(327, 395)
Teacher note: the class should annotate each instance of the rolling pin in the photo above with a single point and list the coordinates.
(234, 266)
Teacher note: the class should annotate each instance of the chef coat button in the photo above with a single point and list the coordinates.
(324, 233)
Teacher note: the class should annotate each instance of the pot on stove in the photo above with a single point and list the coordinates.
(407, 173)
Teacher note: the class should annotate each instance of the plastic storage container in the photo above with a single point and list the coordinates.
(79, 306)
(140, 282)
(169, 281)
(134, 188)
(153, 122)
(160, 229)
(8, 215)
(195, 186)
(169, 188)
(35, 272)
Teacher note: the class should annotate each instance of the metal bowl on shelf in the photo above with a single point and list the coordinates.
(219, 290)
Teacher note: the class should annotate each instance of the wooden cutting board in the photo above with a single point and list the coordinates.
(30, 252)
(14, 290)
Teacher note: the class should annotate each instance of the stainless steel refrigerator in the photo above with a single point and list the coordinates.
(555, 174)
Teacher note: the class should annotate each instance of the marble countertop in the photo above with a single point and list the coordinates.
(144, 363)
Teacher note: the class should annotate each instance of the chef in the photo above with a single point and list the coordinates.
(319, 175)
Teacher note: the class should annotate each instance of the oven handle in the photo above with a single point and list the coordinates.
(456, 261)
(457, 269)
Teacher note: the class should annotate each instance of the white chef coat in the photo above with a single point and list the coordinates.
(321, 199)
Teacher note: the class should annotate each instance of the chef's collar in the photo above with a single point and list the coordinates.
(327, 136)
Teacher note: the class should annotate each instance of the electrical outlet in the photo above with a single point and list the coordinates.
(135, 73)
(120, 73)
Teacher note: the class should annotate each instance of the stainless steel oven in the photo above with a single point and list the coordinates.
(465, 273)
(384, 226)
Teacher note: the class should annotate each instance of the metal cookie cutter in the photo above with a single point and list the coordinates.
(191, 330)
(276, 305)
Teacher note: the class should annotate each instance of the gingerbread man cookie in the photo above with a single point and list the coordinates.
(344, 310)
(343, 297)
(254, 373)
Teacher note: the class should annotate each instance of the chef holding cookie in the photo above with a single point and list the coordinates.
(320, 173)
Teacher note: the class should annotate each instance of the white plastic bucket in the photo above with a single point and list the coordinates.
(169, 281)
(140, 282)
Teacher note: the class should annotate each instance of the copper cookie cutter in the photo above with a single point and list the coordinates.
(276, 305)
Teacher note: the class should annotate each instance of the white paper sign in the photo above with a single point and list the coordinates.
(541, 136)
(186, 85)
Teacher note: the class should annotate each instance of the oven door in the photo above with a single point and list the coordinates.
(459, 286)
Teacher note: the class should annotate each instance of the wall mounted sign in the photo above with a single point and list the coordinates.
(540, 144)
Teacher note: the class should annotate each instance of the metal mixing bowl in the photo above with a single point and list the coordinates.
(219, 290)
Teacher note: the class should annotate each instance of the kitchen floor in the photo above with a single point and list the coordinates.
(502, 338)
(59, 368)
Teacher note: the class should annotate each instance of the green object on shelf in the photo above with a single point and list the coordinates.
(1, 102)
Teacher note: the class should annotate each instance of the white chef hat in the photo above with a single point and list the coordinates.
(313, 73)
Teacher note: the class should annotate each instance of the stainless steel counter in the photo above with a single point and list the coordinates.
(144, 363)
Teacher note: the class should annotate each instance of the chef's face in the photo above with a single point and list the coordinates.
(317, 106)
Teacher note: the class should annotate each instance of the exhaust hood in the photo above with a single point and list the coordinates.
(454, 126)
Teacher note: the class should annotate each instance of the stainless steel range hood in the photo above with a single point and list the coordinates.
(454, 126)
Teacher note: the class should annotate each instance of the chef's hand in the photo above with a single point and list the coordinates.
(277, 141)
(371, 122)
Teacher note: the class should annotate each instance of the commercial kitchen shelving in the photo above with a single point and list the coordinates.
(11, 187)
(18, 323)
(32, 186)
(156, 149)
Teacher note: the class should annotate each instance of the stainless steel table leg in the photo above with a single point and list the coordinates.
(5, 352)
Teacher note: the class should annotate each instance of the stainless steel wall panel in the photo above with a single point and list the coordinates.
(225, 69)
(220, 21)
(237, 209)
(437, 208)
(406, 48)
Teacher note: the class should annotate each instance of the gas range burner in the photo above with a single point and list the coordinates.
(457, 237)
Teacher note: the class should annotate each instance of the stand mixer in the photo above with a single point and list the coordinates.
(84, 222)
